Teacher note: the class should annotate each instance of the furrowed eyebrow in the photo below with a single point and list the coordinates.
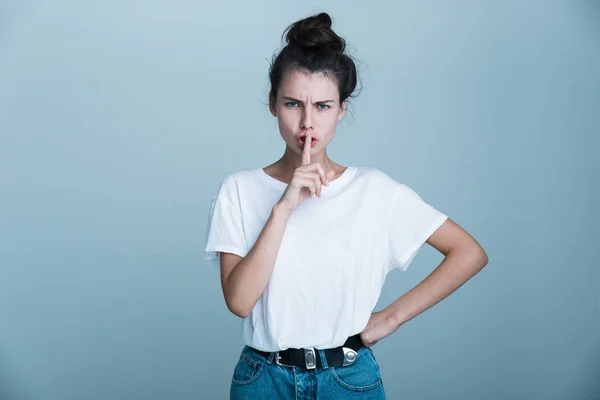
(301, 102)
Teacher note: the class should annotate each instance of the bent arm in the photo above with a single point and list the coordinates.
(464, 258)
(243, 280)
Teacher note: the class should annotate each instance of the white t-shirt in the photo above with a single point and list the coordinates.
(334, 256)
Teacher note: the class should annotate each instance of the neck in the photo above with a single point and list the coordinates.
(292, 160)
(284, 167)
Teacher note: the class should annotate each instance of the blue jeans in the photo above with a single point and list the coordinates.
(258, 377)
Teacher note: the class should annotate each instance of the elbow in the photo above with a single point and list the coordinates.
(237, 308)
(479, 256)
(472, 254)
(484, 258)
(242, 313)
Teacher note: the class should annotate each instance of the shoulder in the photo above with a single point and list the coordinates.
(238, 177)
(229, 185)
(377, 177)
(385, 183)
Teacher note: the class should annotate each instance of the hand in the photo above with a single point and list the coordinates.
(380, 325)
(307, 180)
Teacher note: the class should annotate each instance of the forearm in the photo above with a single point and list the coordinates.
(457, 267)
(249, 278)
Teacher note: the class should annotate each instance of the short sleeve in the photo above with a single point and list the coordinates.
(225, 229)
(412, 221)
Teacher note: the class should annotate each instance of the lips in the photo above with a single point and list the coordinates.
(302, 138)
(302, 142)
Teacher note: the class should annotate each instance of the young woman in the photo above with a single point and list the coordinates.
(304, 244)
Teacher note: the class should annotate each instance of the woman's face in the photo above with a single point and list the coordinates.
(307, 102)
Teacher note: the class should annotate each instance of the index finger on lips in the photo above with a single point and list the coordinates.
(306, 150)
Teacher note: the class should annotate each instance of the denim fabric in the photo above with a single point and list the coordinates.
(258, 377)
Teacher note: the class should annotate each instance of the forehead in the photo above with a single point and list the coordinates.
(302, 84)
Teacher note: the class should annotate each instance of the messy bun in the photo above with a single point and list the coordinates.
(314, 47)
(315, 33)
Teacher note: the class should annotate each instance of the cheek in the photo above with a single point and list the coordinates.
(331, 121)
(287, 118)
(287, 126)
(284, 120)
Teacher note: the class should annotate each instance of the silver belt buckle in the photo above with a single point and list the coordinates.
(310, 358)
(349, 356)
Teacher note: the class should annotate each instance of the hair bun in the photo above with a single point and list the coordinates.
(315, 32)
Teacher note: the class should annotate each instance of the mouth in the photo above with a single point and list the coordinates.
(302, 140)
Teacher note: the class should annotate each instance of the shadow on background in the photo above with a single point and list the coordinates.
(12, 386)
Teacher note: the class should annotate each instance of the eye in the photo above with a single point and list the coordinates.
(289, 103)
(323, 105)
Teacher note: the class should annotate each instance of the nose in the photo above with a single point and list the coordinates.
(306, 122)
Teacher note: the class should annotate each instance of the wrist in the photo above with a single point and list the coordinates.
(281, 209)
(395, 316)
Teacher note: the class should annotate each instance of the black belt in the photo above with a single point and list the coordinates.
(310, 358)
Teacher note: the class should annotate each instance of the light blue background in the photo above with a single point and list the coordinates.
(119, 119)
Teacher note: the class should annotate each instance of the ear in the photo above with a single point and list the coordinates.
(272, 107)
(342, 110)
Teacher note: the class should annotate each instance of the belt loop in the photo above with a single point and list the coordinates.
(270, 357)
(323, 359)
